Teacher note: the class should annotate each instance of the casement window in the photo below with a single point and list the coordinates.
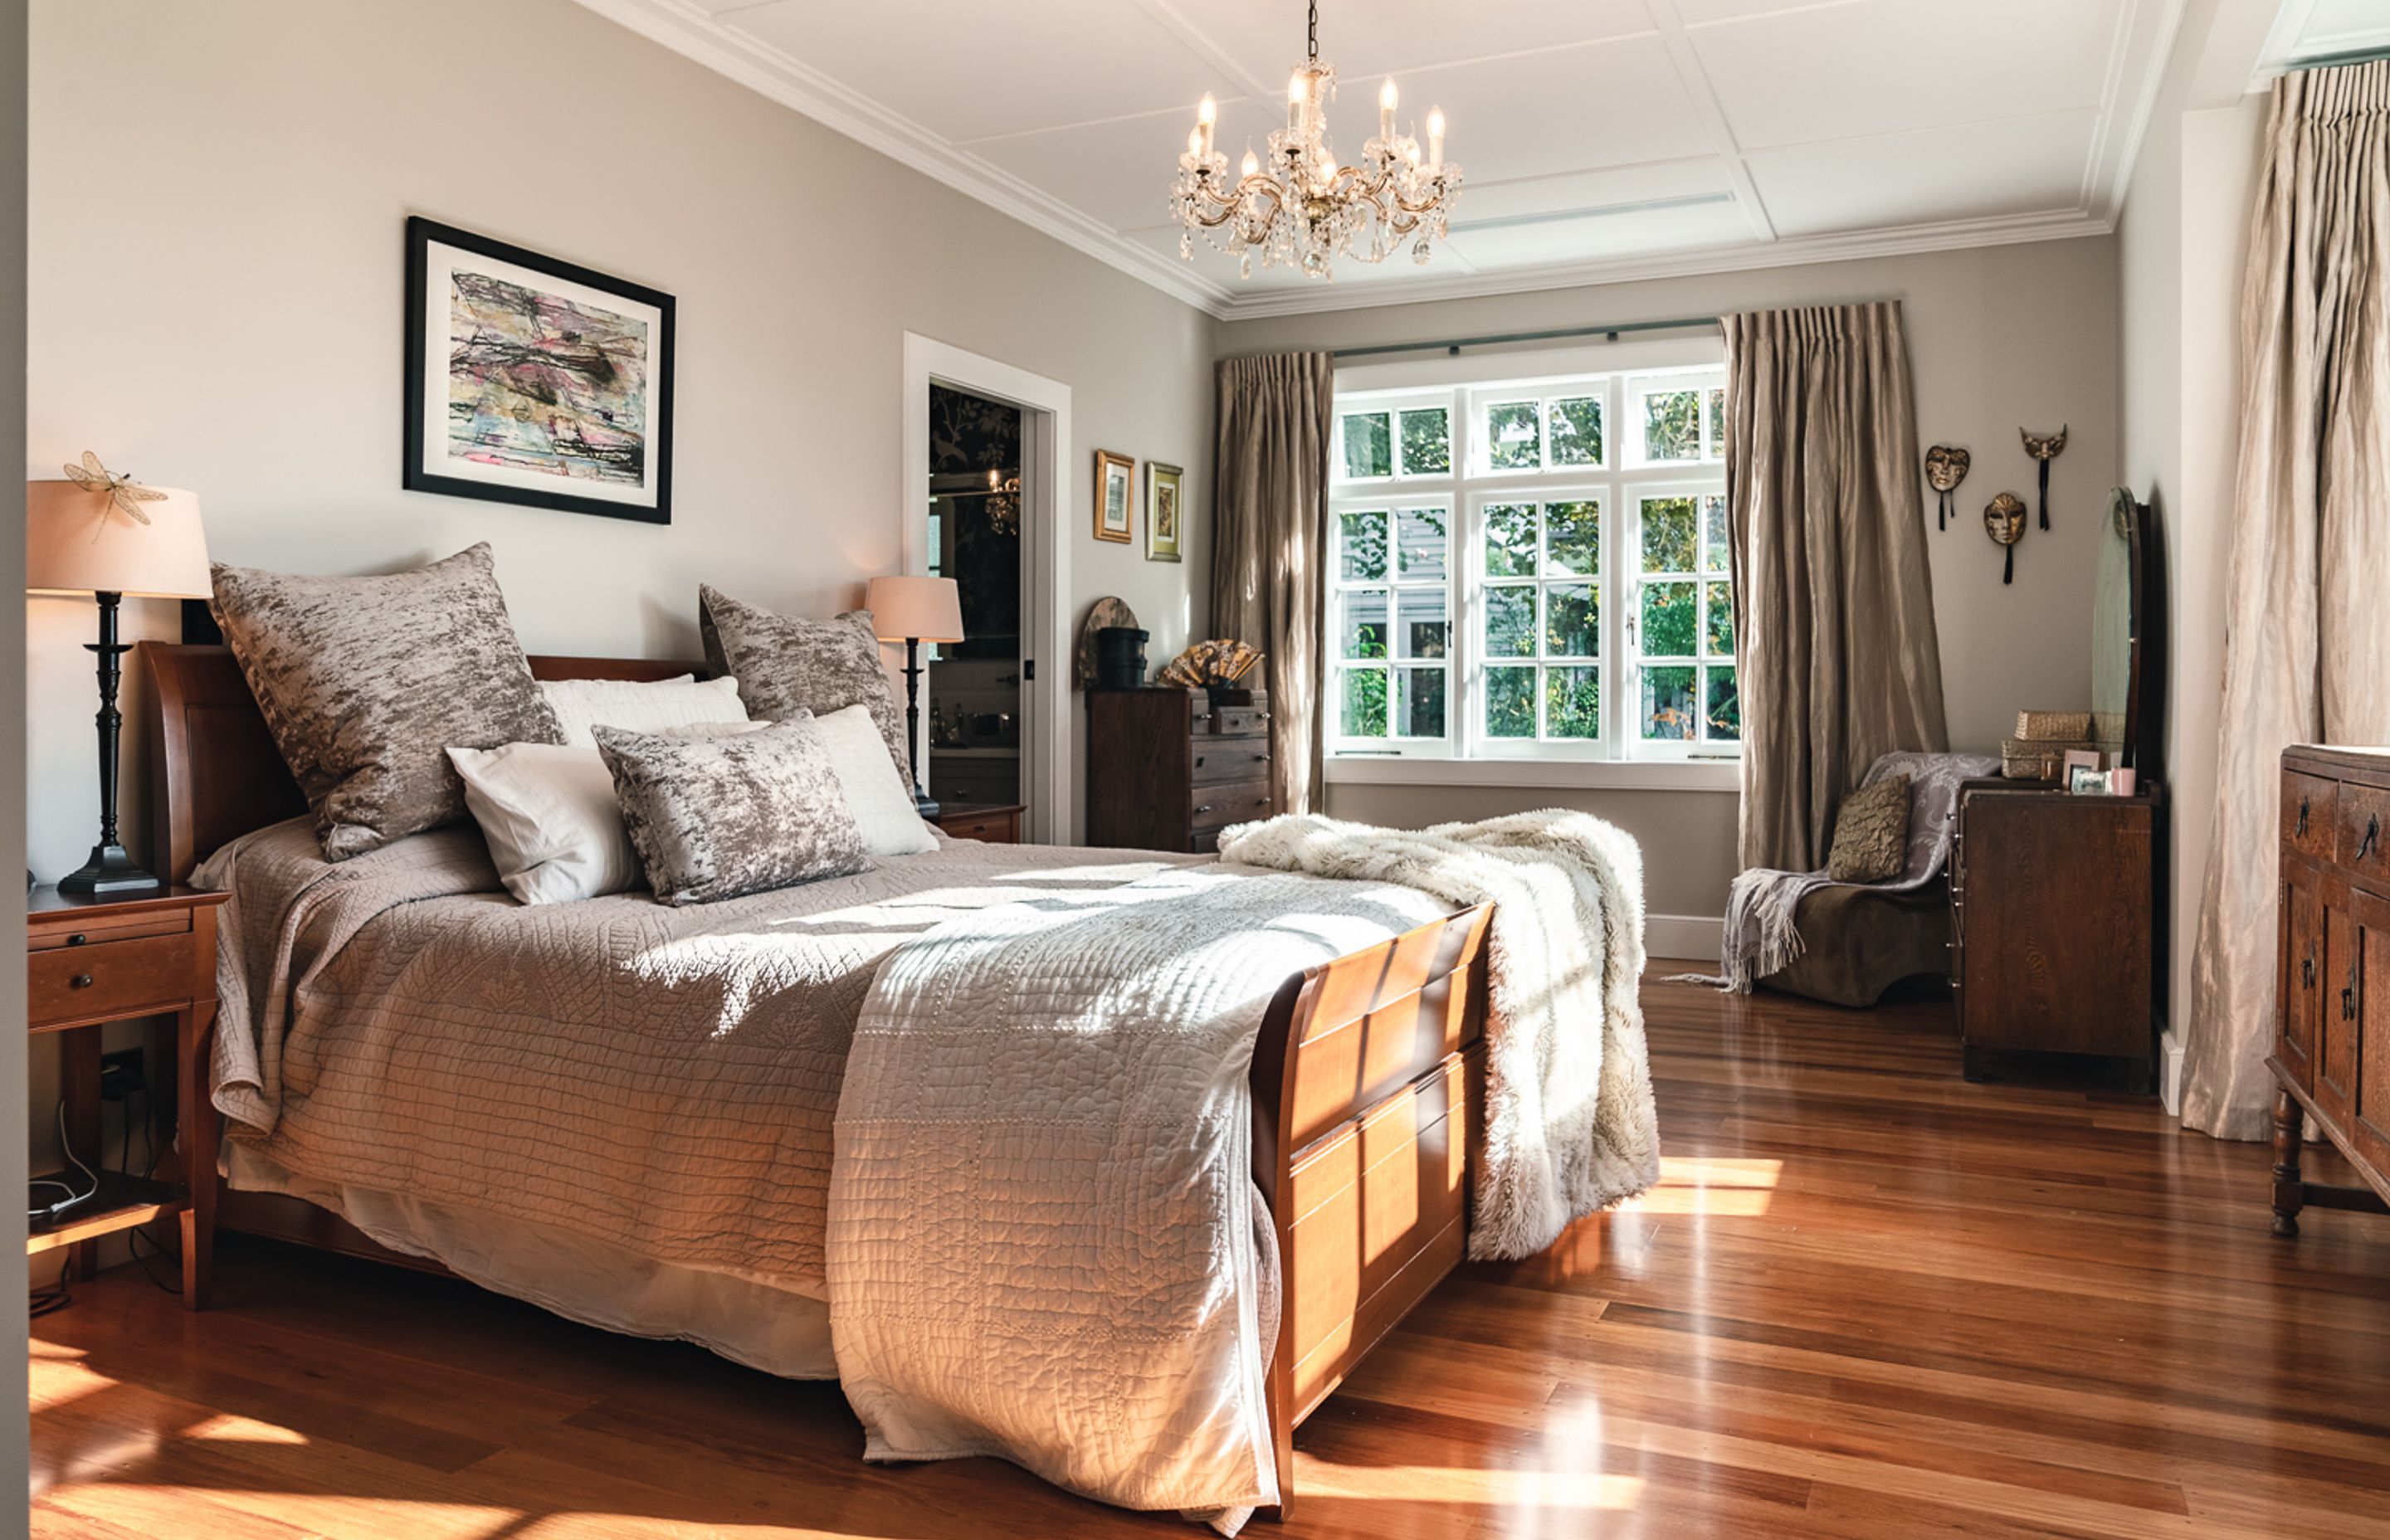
(1531, 568)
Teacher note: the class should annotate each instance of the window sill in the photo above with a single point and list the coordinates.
(1594, 774)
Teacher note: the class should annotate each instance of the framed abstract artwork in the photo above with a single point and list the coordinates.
(1161, 511)
(1115, 495)
(534, 381)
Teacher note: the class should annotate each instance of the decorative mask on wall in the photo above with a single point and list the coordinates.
(1944, 469)
(2004, 521)
(2045, 450)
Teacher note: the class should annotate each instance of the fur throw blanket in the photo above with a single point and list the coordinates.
(1569, 1125)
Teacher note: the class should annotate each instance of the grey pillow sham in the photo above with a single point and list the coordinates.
(718, 817)
(784, 666)
(367, 682)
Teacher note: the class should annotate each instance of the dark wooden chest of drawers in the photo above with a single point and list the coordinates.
(2331, 1029)
(1169, 769)
(2052, 922)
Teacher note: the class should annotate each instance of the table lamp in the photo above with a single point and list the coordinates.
(913, 611)
(107, 537)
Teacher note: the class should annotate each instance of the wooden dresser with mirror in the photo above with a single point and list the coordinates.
(2056, 946)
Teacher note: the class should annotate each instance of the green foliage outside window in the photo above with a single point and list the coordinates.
(1720, 641)
(1368, 448)
(1570, 620)
(1509, 542)
(1572, 702)
(1423, 703)
(1509, 702)
(1669, 620)
(1573, 537)
(1365, 703)
(1717, 423)
(1427, 442)
(1717, 548)
(1363, 542)
(1725, 705)
(1513, 437)
(1668, 702)
(1672, 426)
(1668, 534)
(1576, 430)
(1510, 621)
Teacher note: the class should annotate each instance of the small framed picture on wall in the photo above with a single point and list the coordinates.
(1161, 511)
(1115, 495)
(535, 381)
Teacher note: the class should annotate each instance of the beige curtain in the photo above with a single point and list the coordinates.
(1269, 546)
(2306, 606)
(1833, 607)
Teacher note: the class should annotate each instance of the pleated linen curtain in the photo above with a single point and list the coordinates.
(1270, 548)
(2307, 608)
(1834, 605)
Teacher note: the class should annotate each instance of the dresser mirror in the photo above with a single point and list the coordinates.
(2125, 681)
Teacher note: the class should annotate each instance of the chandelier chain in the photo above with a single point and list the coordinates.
(1314, 35)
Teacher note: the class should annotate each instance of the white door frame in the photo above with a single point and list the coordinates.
(1049, 779)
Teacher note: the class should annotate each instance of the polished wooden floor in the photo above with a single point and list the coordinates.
(1869, 1299)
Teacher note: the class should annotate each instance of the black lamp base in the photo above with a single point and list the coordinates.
(110, 870)
(926, 806)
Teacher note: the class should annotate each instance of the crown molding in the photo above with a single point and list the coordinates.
(693, 34)
(1785, 251)
(690, 32)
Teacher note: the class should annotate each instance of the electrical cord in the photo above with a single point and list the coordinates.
(72, 1198)
(150, 1147)
(57, 1296)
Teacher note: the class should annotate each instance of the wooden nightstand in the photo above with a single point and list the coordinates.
(994, 824)
(96, 960)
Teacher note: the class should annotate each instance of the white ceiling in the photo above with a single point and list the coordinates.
(1601, 138)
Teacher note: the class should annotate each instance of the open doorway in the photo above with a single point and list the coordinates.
(1039, 652)
(974, 688)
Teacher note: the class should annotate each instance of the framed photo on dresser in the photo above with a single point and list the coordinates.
(532, 381)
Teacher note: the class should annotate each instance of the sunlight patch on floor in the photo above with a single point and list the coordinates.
(1445, 1483)
(1711, 1185)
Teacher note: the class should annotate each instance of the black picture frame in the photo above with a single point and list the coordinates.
(421, 234)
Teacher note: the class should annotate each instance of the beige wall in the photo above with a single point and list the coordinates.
(234, 324)
(2183, 240)
(217, 203)
(1999, 337)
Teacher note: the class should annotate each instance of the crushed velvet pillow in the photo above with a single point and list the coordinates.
(784, 666)
(718, 817)
(367, 682)
(1871, 833)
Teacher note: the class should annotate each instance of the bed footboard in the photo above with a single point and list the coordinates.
(1367, 1087)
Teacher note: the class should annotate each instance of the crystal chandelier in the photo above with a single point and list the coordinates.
(1300, 206)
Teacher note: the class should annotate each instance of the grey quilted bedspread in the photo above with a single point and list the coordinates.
(662, 1079)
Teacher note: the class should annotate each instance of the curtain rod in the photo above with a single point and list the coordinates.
(1454, 344)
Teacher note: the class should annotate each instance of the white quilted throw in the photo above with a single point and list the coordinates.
(1569, 1125)
(1044, 1243)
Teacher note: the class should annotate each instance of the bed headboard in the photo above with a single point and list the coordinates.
(214, 772)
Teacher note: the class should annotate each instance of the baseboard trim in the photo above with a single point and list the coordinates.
(2170, 1072)
(1693, 936)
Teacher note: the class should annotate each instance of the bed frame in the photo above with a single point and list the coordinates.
(1368, 1076)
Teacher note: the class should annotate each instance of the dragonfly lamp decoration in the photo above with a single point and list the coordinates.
(119, 492)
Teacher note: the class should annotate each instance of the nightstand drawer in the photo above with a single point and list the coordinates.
(107, 980)
(102, 927)
(1218, 807)
(995, 827)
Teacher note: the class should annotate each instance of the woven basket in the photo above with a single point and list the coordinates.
(2051, 727)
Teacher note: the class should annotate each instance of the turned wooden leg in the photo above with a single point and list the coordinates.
(2290, 1130)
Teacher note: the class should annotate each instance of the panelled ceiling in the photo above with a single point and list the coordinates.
(1601, 138)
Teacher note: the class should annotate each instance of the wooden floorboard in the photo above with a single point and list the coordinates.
(1867, 1300)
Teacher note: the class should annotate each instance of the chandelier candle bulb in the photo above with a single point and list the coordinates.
(1296, 96)
(1435, 136)
(1252, 163)
(1387, 97)
(1207, 112)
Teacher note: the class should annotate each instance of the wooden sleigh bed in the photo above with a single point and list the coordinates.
(1368, 1076)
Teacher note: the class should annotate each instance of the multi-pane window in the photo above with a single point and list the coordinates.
(1533, 569)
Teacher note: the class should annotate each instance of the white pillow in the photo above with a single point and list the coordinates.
(876, 794)
(548, 813)
(580, 704)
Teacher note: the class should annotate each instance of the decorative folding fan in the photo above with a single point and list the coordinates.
(1214, 663)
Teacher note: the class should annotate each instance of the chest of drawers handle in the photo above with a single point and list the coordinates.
(2306, 972)
(2303, 818)
(81, 980)
(2372, 833)
(77, 939)
(2348, 997)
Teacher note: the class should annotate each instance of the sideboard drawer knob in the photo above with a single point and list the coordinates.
(81, 980)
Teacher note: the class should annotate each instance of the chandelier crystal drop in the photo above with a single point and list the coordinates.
(1298, 206)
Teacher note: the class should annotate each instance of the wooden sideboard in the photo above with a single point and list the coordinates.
(2331, 1032)
(2053, 935)
(1168, 769)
